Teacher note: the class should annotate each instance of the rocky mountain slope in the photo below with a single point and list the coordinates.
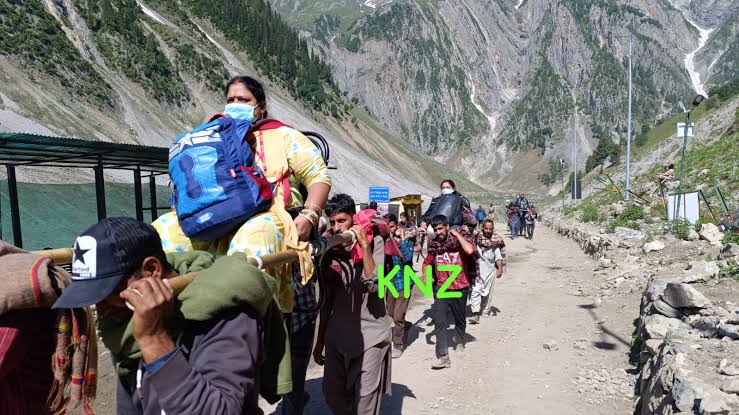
(134, 72)
(502, 88)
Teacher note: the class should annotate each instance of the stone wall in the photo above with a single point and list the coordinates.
(595, 241)
(689, 352)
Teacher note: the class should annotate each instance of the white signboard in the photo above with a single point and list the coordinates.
(383, 209)
(681, 129)
(689, 207)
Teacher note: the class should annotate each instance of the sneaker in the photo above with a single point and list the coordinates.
(459, 348)
(475, 319)
(397, 352)
(441, 363)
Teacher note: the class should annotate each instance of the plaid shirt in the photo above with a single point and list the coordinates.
(305, 306)
(451, 245)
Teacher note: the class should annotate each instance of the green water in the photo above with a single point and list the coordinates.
(53, 215)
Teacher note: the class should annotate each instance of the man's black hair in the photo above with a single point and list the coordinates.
(160, 255)
(340, 203)
(373, 205)
(439, 220)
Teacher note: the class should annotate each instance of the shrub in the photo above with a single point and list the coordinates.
(731, 238)
(628, 219)
(680, 229)
(731, 270)
(590, 214)
(632, 213)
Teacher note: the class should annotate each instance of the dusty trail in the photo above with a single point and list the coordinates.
(544, 297)
(505, 368)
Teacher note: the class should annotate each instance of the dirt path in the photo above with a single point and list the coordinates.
(546, 296)
(505, 368)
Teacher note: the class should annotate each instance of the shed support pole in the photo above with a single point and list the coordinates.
(15, 212)
(138, 196)
(100, 190)
(153, 196)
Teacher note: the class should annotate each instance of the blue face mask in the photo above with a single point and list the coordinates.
(240, 111)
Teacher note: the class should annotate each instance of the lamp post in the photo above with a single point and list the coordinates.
(627, 188)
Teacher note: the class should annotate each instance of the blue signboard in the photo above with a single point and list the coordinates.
(379, 194)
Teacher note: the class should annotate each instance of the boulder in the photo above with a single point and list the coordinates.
(657, 326)
(653, 345)
(661, 307)
(729, 330)
(681, 295)
(711, 233)
(731, 386)
(699, 271)
(728, 251)
(728, 368)
(654, 246)
(693, 395)
(693, 235)
(704, 326)
(604, 262)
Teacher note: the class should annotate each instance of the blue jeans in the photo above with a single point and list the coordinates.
(515, 226)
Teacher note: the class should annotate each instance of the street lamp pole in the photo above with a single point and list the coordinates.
(627, 196)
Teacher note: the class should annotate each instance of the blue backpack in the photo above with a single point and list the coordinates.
(217, 186)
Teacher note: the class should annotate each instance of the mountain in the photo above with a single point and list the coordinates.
(135, 72)
(504, 89)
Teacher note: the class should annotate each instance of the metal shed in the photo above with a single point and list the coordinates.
(21, 150)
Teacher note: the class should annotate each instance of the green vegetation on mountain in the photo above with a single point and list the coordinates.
(29, 32)
(190, 60)
(710, 162)
(528, 126)
(276, 50)
(606, 149)
(554, 174)
(419, 57)
(128, 47)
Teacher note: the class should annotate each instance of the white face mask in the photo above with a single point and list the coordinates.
(447, 191)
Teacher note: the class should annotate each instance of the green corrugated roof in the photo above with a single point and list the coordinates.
(22, 149)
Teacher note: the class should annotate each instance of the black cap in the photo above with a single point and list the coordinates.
(103, 255)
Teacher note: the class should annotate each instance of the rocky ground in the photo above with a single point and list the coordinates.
(685, 346)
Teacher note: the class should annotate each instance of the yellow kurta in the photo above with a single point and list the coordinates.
(265, 232)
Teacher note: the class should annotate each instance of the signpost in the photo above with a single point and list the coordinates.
(681, 130)
(381, 196)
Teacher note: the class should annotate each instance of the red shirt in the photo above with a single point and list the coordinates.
(447, 257)
(27, 342)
